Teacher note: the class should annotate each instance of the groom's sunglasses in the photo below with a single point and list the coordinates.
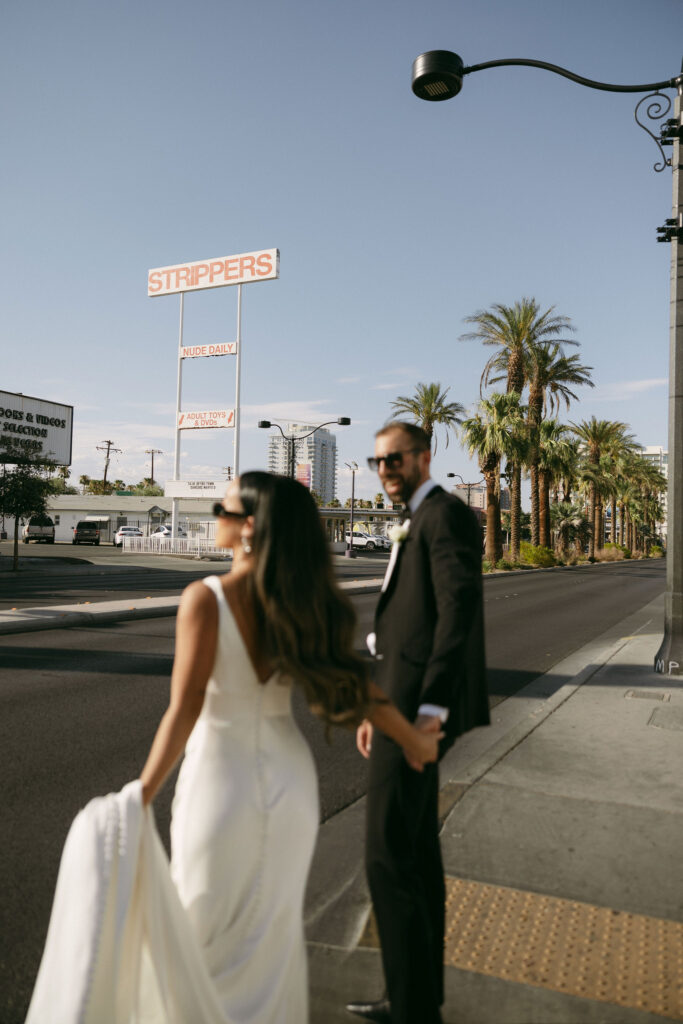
(394, 460)
(221, 512)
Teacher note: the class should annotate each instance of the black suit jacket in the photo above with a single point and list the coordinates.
(429, 622)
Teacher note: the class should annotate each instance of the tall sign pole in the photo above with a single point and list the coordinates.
(180, 278)
(238, 373)
(179, 391)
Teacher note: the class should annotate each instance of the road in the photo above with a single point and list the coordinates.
(79, 708)
(107, 573)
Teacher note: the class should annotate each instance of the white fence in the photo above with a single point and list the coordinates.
(193, 546)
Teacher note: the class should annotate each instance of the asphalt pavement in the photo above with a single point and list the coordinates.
(562, 836)
(562, 831)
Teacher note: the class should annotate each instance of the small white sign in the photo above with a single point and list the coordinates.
(228, 348)
(195, 489)
(206, 419)
(191, 277)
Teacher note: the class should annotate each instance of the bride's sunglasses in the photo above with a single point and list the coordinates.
(394, 460)
(221, 512)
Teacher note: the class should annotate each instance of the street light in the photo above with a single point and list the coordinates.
(291, 439)
(353, 466)
(438, 75)
(469, 487)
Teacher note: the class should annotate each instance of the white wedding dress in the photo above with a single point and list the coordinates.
(231, 949)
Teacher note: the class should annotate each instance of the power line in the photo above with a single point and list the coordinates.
(109, 449)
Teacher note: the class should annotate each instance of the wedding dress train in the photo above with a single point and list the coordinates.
(218, 938)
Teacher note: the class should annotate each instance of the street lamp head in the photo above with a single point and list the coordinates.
(437, 75)
(343, 421)
(264, 424)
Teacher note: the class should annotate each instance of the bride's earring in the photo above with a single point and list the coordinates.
(246, 546)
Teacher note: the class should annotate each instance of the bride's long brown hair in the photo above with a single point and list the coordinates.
(306, 623)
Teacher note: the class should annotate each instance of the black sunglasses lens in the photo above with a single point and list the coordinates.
(373, 465)
(394, 460)
(218, 510)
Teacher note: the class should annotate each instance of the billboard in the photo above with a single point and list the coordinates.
(206, 419)
(35, 426)
(245, 268)
(303, 474)
(228, 348)
(195, 489)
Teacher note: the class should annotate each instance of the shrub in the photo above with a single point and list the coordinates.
(610, 553)
(536, 555)
(505, 564)
(656, 551)
(485, 565)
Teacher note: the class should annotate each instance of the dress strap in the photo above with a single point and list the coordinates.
(214, 583)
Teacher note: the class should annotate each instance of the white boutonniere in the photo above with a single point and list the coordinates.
(397, 534)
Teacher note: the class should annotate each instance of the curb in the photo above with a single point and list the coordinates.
(31, 620)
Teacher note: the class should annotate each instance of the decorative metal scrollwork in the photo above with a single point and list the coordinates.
(658, 105)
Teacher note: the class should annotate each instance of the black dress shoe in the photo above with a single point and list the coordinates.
(380, 1012)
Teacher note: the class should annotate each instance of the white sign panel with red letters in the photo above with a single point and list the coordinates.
(206, 419)
(228, 348)
(245, 268)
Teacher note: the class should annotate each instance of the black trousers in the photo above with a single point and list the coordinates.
(405, 875)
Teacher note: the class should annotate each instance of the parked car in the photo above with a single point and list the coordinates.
(368, 541)
(163, 534)
(86, 532)
(39, 528)
(126, 531)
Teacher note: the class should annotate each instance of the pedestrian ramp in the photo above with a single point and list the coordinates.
(628, 960)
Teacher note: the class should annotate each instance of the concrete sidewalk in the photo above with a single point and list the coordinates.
(562, 841)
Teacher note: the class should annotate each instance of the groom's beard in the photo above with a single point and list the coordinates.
(409, 484)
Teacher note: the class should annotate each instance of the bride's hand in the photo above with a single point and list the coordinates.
(424, 746)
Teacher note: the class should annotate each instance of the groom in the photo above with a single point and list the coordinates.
(430, 660)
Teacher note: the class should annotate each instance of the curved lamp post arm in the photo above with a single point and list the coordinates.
(669, 83)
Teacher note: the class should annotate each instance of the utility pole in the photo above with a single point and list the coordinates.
(110, 448)
(153, 452)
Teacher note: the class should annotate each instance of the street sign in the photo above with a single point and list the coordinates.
(206, 419)
(245, 268)
(40, 428)
(195, 489)
(228, 348)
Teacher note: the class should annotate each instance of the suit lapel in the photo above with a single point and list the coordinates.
(391, 576)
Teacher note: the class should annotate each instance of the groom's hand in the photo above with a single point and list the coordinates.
(429, 725)
(364, 737)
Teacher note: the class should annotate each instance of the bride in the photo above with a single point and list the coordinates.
(245, 810)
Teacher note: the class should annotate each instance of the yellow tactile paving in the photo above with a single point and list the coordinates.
(583, 950)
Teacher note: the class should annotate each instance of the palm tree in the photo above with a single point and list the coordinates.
(550, 375)
(428, 408)
(515, 330)
(570, 526)
(554, 452)
(520, 333)
(84, 481)
(599, 437)
(491, 434)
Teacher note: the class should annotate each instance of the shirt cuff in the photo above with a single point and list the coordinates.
(434, 711)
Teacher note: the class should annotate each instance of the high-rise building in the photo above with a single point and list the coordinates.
(659, 457)
(315, 458)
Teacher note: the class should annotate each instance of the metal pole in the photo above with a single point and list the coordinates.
(669, 657)
(349, 551)
(238, 371)
(176, 459)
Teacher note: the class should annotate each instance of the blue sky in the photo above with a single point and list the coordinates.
(144, 134)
